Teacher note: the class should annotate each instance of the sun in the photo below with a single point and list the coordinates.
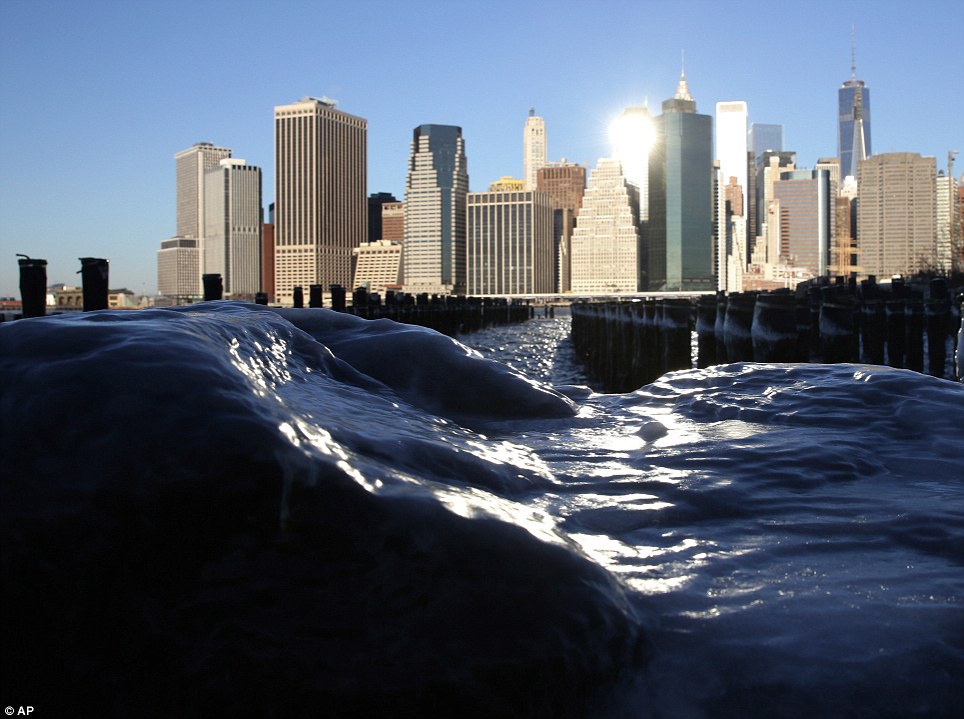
(632, 135)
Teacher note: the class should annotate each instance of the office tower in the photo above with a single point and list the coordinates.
(509, 243)
(843, 245)
(763, 137)
(853, 121)
(606, 247)
(191, 165)
(376, 202)
(533, 148)
(633, 136)
(731, 151)
(179, 269)
(946, 189)
(565, 183)
(393, 221)
(806, 215)
(378, 266)
(435, 190)
(768, 169)
(831, 165)
(231, 245)
(896, 214)
(681, 197)
(321, 210)
(267, 255)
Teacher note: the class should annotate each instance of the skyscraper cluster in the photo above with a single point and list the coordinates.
(677, 207)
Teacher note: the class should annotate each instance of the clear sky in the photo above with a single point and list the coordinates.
(96, 96)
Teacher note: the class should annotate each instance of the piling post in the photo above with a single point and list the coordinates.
(33, 286)
(337, 297)
(838, 339)
(719, 328)
(706, 331)
(676, 334)
(914, 339)
(297, 297)
(896, 333)
(774, 328)
(737, 327)
(261, 298)
(94, 274)
(213, 287)
(315, 293)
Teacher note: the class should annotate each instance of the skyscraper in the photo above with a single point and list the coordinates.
(321, 210)
(376, 203)
(533, 148)
(853, 121)
(435, 199)
(179, 269)
(731, 151)
(633, 136)
(231, 246)
(681, 197)
(606, 247)
(191, 164)
(565, 183)
(896, 213)
(763, 137)
(806, 216)
(509, 243)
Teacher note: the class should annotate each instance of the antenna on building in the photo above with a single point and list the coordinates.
(853, 52)
(532, 112)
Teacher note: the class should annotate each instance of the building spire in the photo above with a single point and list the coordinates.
(682, 90)
(853, 52)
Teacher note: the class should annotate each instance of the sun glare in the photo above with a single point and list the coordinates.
(632, 136)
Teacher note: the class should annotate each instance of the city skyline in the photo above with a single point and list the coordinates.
(97, 97)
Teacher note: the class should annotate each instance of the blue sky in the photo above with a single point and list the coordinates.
(96, 96)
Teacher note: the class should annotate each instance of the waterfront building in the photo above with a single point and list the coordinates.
(896, 214)
(681, 179)
(533, 148)
(321, 210)
(393, 221)
(607, 252)
(946, 189)
(376, 204)
(231, 246)
(378, 266)
(509, 243)
(805, 214)
(853, 122)
(565, 183)
(190, 167)
(179, 269)
(435, 199)
(762, 137)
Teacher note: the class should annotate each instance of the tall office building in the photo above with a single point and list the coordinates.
(435, 199)
(378, 266)
(191, 165)
(509, 243)
(633, 135)
(681, 197)
(806, 216)
(393, 222)
(762, 137)
(231, 246)
(565, 183)
(896, 214)
(768, 169)
(946, 189)
(533, 148)
(853, 121)
(321, 211)
(731, 151)
(606, 246)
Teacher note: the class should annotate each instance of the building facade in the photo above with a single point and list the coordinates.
(190, 166)
(510, 243)
(806, 214)
(533, 148)
(853, 124)
(435, 200)
(946, 188)
(565, 183)
(762, 137)
(607, 251)
(393, 222)
(376, 203)
(681, 182)
(179, 269)
(321, 211)
(378, 266)
(231, 246)
(896, 214)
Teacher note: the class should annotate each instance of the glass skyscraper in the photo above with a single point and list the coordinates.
(853, 125)
(681, 198)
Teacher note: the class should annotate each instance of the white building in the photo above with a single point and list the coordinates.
(231, 246)
(510, 243)
(435, 194)
(191, 165)
(321, 205)
(533, 148)
(179, 269)
(378, 266)
(606, 253)
(946, 199)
